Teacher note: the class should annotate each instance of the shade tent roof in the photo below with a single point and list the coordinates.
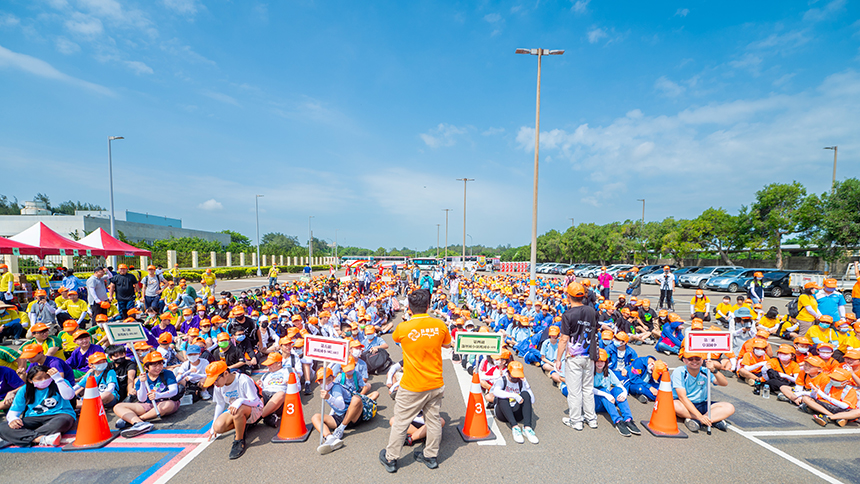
(103, 240)
(8, 246)
(52, 243)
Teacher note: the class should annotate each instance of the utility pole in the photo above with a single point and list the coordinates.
(571, 222)
(465, 181)
(643, 209)
(835, 149)
(437, 240)
(446, 210)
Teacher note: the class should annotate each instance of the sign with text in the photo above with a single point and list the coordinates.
(709, 342)
(331, 350)
(120, 333)
(478, 343)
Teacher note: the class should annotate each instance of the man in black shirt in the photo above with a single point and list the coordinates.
(125, 287)
(577, 352)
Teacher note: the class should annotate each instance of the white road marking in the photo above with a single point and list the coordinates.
(793, 460)
(183, 462)
(802, 433)
(465, 381)
(164, 440)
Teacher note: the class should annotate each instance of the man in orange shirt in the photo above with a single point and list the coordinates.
(422, 385)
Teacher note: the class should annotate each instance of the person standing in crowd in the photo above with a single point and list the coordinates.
(422, 385)
(604, 282)
(577, 351)
(755, 289)
(124, 286)
(830, 301)
(855, 291)
(7, 284)
(97, 292)
(666, 281)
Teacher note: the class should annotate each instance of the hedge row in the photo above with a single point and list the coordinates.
(195, 275)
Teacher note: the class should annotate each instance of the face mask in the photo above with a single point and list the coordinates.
(347, 333)
(758, 352)
(328, 386)
(650, 367)
(356, 353)
(193, 358)
(824, 325)
(188, 318)
(240, 338)
(837, 384)
(118, 361)
(844, 329)
(825, 355)
(224, 344)
(803, 349)
(300, 352)
(42, 384)
(784, 358)
(201, 313)
(100, 367)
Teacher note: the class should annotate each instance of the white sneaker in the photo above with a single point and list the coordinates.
(136, 429)
(518, 435)
(530, 434)
(205, 395)
(51, 440)
(570, 423)
(592, 423)
(336, 444)
(326, 447)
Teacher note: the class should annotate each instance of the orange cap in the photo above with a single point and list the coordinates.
(622, 336)
(554, 330)
(830, 282)
(70, 326)
(826, 318)
(223, 337)
(96, 357)
(840, 374)
(762, 333)
(31, 350)
(187, 312)
(802, 340)
(142, 346)
(299, 343)
(165, 338)
(759, 343)
(814, 361)
(323, 373)
(273, 358)
(786, 349)
(79, 334)
(39, 327)
(853, 354)
(104, 304)
(515, 369)
(602, 355)
(153, 357)
(101, 318)
(575, 289)
(213, 371)
(349, 366)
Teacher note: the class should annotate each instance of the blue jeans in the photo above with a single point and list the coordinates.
(661, 346)
(638, 388)
(855, 305)
(601, 404)
(123, 307)
(153, 302)
(273, 281)
(13, 330)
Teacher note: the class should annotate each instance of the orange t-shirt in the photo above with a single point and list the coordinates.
(421, 339)
(844, 395)
(751, 359)
(807, 381)
(791, 368)
(855, 291)
(830, 364)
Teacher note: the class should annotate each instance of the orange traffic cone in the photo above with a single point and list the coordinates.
(93, 430)
(475, 427)
(293, 426)
(664, 422)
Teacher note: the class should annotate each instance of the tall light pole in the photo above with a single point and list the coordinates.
(643, 209)
(835, 149)
(471, 244)
(110, 172)
(572, 224)
(335, 248)
(257, 211)
(446, 210)
(533, 259)
(310, 241)
(465, 181)
(437, 240)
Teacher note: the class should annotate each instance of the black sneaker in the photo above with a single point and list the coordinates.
(721, 425)
(430, 462)
(632, 427)
(622, 429)
(238, 449)
(307, 388)
(272, 420)
(390, 465)
(642, 399)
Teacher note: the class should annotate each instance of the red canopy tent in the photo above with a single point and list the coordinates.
(8, 246)
(103, 240)
(52, 243)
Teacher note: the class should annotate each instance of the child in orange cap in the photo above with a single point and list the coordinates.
(689, 388)
(782, 371)
(754, 363)
(810, 375)
(236, 393)
(833, 396)
(610, 396)
(549, 353)
(163, 391)
(514, 399)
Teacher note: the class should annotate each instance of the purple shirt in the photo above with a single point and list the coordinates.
(157, 331)
(9, 381)
(80, 361)
(193, 323)
(59, 365)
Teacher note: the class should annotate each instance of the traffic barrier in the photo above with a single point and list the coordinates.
(293, 426)
(664, 422)
(475, 426)
(93, 428)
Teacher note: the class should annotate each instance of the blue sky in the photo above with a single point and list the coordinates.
(363, 114)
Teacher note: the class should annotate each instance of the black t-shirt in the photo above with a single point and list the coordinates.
(122, 369)
(231, 356)
(648, 317)
(580, 324)
(125, 285)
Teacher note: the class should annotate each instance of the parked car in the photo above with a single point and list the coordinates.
(559, 269)
(777, 283)
(622, 274)
(700, 277)
(733, 281)
(653, 274)
(684, 270)
(618, 268)
(584, 270)
(649, 273)
(594, 271)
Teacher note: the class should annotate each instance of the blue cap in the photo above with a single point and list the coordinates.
(192, 349)
(743, 312)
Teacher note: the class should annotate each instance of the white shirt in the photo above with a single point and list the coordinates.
(243, 391)
(274, 382)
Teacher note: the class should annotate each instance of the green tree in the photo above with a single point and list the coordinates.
(838, 219)
(549, 248)
(237, 238)
(720, 231)
(681, 241)
(775, 213)
(9, 208)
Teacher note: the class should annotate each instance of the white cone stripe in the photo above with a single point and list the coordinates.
(475, 388)
(91, 393)
(292, 388)
(665, 386)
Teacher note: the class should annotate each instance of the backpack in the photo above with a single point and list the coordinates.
(793, 309)
(378, 363)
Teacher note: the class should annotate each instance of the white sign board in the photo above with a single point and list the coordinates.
(709, 342)
(331, 350)
(120, 333)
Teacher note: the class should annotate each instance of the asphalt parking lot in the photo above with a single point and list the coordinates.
(768, 441)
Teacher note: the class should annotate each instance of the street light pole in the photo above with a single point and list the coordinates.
(446, 210)
(257, 211)
(835, 149)
(335, 247)
(310, 241)
(110, 172)
(465, 181)
(643, 209)
(437, 240)
(471, 245)
(572, 224)
(533, 258)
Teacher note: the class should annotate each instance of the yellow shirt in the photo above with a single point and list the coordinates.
(818, 335)
(7, 282)
(209, 279)
(41, 281)
(59, 301)
(68, 342)
(848, 341)
(803, 301)
(724, 309)
(273, 272)
(169, 293)
(767, 322)
(699, 304)
(75, 309)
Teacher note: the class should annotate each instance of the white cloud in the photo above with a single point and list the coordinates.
(442, 135)
(138, 67)
(669, 88)
(580, 6)
(66, 46)
(818, 14)
(493, 131)
(492, 17)
(8, 20)
(750, 62)
(41, 68)
(682, 12)
(221, 97)
(177, 48)
(84, 25)
(783, 80)
(211, 204)
(184, 7)
(595, 34)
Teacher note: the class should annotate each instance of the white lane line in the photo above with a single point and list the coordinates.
(465, 381)
(793, 460)
(183, 462)
(159, 440)
(802, 433)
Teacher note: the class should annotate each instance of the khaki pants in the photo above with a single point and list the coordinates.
(406, 408)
